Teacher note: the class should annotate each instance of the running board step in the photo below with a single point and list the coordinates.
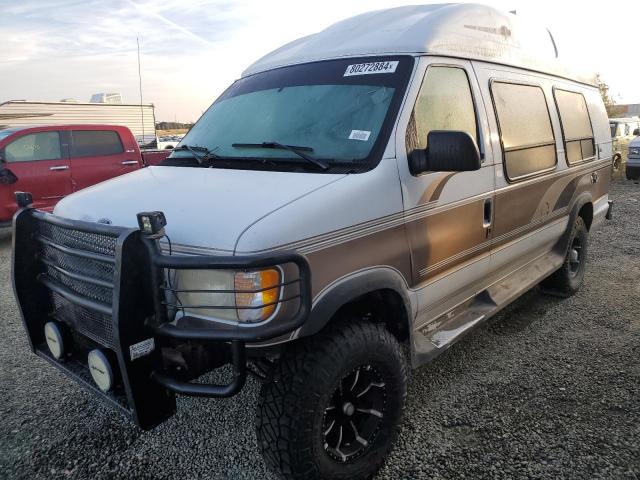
(445, 329)
(436, 336)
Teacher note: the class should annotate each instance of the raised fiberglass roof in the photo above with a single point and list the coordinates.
(468, 31)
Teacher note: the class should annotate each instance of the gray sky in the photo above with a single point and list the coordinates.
(193, 49)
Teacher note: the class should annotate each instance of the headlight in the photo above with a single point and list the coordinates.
(634, 151)
(229, 295)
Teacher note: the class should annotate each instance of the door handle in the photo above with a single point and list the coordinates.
(130, 162)
(487, 213)
(59, 167)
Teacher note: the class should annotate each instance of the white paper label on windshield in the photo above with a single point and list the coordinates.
(370, 68)
(362, 135)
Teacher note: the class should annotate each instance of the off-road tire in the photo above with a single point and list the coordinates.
(567, 280)
(291, 410)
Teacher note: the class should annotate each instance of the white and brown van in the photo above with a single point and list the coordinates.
(392, 181)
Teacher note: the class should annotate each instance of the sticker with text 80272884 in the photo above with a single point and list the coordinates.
(371, 68)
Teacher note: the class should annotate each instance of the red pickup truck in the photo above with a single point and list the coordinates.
(54, 161)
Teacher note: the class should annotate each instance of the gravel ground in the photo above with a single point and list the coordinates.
(549, 388)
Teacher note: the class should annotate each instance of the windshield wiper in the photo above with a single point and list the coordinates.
(292, 148)
(208, 154)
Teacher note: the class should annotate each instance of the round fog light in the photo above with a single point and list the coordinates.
(101, 368)
(55, 337)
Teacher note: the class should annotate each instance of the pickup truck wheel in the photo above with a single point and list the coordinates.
(5, 233)
(333, 407)
(568, 278)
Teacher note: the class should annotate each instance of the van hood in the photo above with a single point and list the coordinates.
(207, 208)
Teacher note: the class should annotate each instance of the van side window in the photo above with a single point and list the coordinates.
(576, 125)
(525, 129)
(95, 143)
(444, 103)
(35, 146)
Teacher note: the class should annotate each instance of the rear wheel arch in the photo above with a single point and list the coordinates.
(586, 212)
(569, 277)
(379, 294)
(582, 207)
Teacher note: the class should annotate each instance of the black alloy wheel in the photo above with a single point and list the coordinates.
(569, 277)
(575, 256)
(334, 402)
(354, 414)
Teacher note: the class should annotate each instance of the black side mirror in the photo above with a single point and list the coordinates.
(447, 151)
(636, 132)
(7, 177)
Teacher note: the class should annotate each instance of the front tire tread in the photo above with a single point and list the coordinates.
(285, 412)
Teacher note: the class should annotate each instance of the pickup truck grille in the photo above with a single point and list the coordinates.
(83, 264)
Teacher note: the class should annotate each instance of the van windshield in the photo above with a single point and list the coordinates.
(339, 111)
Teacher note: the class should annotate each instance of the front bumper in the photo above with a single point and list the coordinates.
(108, 286)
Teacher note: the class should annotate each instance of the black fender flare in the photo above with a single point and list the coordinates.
(352, 286)
(581, 200)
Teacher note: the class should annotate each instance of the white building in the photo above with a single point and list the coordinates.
(140, 119)
(106, 98)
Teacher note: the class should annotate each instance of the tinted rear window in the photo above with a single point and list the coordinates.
(573, 114)
(525, 129)
(94, 143)
(576, 125)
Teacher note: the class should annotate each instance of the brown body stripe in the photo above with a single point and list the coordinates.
(387, 247)
(441, 241)
(433, 191)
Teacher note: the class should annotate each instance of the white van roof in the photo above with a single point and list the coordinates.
(468, 31)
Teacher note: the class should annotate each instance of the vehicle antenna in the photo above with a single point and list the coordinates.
(140, 85)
